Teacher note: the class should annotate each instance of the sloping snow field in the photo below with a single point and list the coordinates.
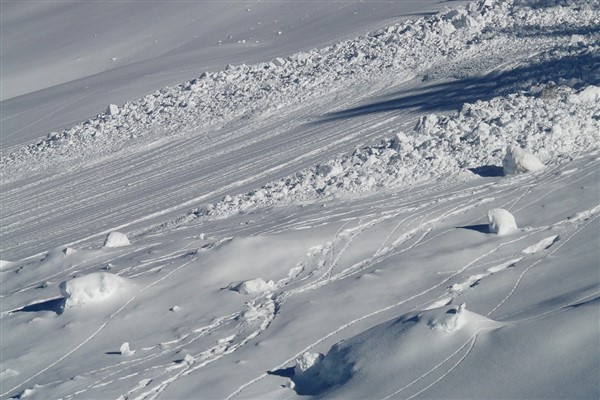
(394, 201)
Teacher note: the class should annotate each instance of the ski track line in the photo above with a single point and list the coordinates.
(470, 340)
(449, 371)
(516, 285)
(89, 338)
(369, 315)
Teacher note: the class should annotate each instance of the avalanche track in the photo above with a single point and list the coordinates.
(335, 195)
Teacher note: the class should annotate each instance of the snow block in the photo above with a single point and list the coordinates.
(112, 109)
(93, 288)
(501, 221)
(518, 160)
(116, 239)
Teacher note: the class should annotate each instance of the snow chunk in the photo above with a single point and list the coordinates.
(541, 245)
(125, 350)
(253, 286)
(588, 95)
(92, 288)
(307, 361)
(518, 160)
(501, 221)
(116, 239)
(112, 109)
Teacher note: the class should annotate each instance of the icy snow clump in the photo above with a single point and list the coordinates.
(93, 288)
(518, 160)
(501, 222)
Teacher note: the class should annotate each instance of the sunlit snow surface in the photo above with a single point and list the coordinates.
(336, 224)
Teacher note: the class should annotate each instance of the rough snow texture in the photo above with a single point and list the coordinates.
(554, 127)
(253, 286)
(92, 288)
(501, 222)
(402, 49)
(518, 160)
(116, 239)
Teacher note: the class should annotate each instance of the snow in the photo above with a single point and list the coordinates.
(253, 286)
(501, 221)
(519, 160)
(307, 200)
(92, 288)
(116, 239)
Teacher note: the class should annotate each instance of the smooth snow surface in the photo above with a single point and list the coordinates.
(334, 214)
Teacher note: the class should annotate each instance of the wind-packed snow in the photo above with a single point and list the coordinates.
(410, 212)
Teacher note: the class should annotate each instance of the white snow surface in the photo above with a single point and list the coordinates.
(518, 160)
(501, 221)
(116, 239)
(92, 288)
(331, 219)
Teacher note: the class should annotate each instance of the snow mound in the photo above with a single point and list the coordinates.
(396, 349)
(252, 286)
(518, 160)
(501, 221)
(116, 239)
(93, 288)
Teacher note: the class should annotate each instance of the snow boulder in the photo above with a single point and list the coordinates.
(116, 239)
(253, 286)
(518, 160)
(93, 288)
(501, 221)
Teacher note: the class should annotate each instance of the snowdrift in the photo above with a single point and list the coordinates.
(395, 354)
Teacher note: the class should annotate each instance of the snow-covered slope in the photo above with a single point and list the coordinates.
(407, 213)
(65, 62)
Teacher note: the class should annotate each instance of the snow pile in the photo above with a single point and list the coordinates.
(253, 286)
(401, 50)
(501, 221)
(381, 354)
(116, 239)
(552, 127)
(93, 288)
(519, 160)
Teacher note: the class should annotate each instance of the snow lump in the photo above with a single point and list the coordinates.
(501, 221)
(116, 239)
(518, 160)
(93, 288)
